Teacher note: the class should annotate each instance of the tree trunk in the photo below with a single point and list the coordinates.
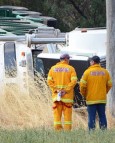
(110, 13)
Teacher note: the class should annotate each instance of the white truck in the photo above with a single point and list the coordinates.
(81, 44)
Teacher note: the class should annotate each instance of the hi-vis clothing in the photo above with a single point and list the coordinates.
(95, 84)
(66, 108)
(62, 77)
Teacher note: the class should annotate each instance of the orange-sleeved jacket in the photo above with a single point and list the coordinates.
(62, 76)
(95, 84)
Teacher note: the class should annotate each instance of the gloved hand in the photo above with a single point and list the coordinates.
(60, 93)
(63, 92)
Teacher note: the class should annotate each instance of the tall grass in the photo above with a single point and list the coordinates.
(19, 110)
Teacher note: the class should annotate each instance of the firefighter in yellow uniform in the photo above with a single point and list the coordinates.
(62, 79)
(94, 85)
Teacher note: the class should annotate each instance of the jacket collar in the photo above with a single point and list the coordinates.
(63, 62)
(95, 65)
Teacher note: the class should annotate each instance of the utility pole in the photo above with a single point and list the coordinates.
(110, 14)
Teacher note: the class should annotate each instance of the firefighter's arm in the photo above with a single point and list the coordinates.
(73, 81)
(50, 81)
(109, 83)
(83, 85)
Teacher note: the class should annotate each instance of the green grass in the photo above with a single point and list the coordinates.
(50, 136)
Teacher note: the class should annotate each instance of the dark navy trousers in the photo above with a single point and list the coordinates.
(92, 110)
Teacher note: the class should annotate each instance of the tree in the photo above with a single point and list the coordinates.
(69, 13)
(110, 4)
(77, 13)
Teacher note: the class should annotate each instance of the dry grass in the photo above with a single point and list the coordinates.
(80, 118)
(19, 110)
(22, 110)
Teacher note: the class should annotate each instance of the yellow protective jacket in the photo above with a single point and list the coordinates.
(62, 76)
(95, 84)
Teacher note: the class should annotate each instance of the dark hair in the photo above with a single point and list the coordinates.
(65, 56)
(96, 59)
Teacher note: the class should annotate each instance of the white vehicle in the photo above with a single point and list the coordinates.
(87, 42)
(81, 45)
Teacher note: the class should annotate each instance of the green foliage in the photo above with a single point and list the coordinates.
(80, 13)
(69, 13)
(50, 136)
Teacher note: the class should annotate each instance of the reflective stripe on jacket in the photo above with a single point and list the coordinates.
(95, 84)
(62, 76)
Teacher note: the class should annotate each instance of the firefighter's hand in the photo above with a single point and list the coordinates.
(63, 92)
